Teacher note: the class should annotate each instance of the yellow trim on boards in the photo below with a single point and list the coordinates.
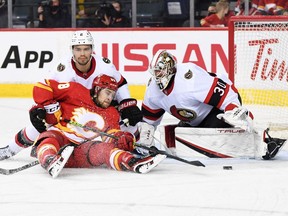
(249, 96)
(264, 97)
(25, 91)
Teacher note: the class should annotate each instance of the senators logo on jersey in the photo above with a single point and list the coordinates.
(60, 67)
(183, 114)
(106, 60)
(188, 75)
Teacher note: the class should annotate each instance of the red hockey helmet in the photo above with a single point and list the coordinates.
(104, 81)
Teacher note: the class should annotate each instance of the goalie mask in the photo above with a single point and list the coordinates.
(82, 37)
(162, 68)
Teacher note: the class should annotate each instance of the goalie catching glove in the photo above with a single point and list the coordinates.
(43, 116)
(237, 116)
(129, 110)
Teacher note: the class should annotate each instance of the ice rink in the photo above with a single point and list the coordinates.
(252, 187)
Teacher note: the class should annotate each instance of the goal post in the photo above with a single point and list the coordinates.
(258, 59)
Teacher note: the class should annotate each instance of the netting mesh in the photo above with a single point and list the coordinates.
(260, 67)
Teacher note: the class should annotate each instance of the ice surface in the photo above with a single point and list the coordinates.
(252, 187)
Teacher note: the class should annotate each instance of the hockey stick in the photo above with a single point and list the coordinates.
(196, 162)
(15, 170)
(88, 128)
(157, 151)
(150, 149)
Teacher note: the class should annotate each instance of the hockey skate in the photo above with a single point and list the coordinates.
(55, 164)
(274, 145)
(6, 153)
(146, 164)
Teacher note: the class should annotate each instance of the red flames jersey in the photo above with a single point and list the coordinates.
(76, 105)
(190, 96)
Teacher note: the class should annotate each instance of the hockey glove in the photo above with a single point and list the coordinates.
(37, 116)
(237, 116)
(146, 137)
(129, 110)
(53, 113)
(125, 140)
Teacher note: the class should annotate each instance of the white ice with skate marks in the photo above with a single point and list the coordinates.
(252, 187)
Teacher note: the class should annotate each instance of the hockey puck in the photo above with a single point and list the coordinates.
(227, 167)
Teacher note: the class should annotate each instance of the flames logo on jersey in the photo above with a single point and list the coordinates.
(60, 67)
(84, 117)
(188, 74)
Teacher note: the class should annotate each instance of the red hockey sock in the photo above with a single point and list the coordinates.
(119, 159)
(47, 148)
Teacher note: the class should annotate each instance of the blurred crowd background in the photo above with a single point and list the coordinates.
(131, 13)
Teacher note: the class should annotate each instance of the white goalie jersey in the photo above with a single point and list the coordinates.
(192, 94)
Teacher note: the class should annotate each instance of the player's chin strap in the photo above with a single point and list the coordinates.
(152, 150)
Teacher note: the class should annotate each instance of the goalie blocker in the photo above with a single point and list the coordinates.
(215, 142)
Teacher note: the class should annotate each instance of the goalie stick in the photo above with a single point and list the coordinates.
(151, 149)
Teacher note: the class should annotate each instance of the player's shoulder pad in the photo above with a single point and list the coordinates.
(106, 60)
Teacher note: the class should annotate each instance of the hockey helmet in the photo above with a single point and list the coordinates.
(162, 68)
(82, 37)
(104, 81)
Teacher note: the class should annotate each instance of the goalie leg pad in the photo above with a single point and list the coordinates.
(215, 142)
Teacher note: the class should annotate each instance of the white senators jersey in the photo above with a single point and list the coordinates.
(66, 71)
(190, 95)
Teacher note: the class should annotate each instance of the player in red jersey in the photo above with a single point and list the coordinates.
(81, 66)
(89, 108)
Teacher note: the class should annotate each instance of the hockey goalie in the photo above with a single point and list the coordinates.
(212, 120)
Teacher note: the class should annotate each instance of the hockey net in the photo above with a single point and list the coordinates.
(258, 58)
